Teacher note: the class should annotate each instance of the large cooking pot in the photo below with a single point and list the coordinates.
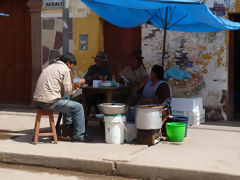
(149, 117)
(113, 108)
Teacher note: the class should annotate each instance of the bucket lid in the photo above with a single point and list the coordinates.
(115, 115)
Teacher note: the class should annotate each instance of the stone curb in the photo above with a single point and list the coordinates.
(153, 172)
(113, 168)
(93, 166)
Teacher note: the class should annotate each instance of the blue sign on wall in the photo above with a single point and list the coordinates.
(50, 4)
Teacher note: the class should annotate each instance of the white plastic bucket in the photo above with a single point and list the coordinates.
(131, 132)
(114, 128)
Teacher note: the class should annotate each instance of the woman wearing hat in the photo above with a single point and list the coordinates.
(134, 75)
(136, 72)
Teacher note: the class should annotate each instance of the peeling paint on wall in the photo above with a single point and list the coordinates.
(219, 55)
(206, 51)
(236, 6)
(84, 21)
(204, 54)
(52, 39)
(79, 9)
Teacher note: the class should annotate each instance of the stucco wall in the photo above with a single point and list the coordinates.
(82, 21)
(207, 58)
(206, 53)
(87, 23)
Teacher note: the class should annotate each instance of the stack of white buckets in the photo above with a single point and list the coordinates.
(114, 118)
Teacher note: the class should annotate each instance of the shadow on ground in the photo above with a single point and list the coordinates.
(94, 130)
(228, 126)
(223, 123)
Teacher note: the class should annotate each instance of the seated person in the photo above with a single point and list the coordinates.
(136, 72)
(99, 69)
(156, 91)
(134, 75)
(96, 72)
(55, 81)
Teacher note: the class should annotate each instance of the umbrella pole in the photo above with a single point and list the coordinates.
(164, 36)
(65, 34)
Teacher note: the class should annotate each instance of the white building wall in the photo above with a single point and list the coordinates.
(207, 52)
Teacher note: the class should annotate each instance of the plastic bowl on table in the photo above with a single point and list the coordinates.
(175, 131)
(106, 84)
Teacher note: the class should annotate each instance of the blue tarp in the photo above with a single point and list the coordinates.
(175, 73)
(183, 15)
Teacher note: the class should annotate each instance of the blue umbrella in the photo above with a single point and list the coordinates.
(3, 14)
(171, 15)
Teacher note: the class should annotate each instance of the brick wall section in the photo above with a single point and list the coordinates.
(52, 46)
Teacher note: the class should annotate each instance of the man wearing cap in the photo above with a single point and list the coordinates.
(99, 69)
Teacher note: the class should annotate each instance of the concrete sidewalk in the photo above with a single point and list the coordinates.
(210, 151)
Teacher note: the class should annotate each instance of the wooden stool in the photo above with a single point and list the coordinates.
(52, 132)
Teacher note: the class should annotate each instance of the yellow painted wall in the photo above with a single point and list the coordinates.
(49, 11)
(85, 21)
(91, 25)
(236, 6)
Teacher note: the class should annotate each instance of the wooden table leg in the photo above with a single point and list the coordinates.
(109, 97)
(84, 103)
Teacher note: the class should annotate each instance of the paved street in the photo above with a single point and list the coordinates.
(210, 151)
(16, 172)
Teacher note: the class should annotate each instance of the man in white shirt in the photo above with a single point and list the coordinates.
(54, 83)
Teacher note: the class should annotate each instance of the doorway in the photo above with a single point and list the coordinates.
(233, 71)
(119, 44)
(15, 53)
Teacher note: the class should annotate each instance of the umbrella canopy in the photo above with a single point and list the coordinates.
(171, 15)
(3, 14)
(132, 13)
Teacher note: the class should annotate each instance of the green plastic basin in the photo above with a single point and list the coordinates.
(175, 131)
